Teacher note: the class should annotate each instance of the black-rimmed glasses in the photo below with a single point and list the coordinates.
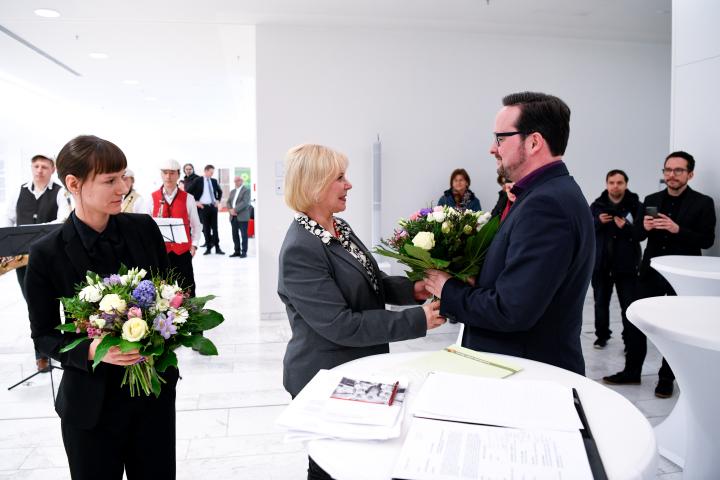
(500, 136)
(676, 171)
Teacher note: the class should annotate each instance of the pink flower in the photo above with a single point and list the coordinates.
(437, 209)
(414, 216)
(134, 312)
(176, 301)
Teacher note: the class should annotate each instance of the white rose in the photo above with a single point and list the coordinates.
(168, 291)
(98, 321)
(468, 229)
(112, 303)
(483, 219)
(424, 240)
(430, 217)
(445, 228)
(134, 329)
(162, 305)
(91, 294)
(439, 216)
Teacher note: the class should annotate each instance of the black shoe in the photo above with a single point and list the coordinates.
(622, 378)
(218, 251)
(236, 254)
(243, 255)
(600, 343)
(207, 252)
(664, 388)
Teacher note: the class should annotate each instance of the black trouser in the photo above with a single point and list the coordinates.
(650, 284)
(602, 283)
(20, 272)
(183, 268)
(242, 227)
(135, 434)
(208, 216)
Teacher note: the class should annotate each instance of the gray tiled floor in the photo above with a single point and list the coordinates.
(226, 405)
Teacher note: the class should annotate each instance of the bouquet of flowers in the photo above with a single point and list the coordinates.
(442, 238)
(152, 315)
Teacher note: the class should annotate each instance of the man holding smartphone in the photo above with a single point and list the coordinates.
(677, 221)
(617, 251)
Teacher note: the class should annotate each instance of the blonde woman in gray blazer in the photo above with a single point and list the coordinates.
(331, 286)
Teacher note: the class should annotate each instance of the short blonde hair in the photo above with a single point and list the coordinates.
(309, 169)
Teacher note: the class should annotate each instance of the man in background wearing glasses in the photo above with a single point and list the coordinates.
(528, 299)
(677, 221)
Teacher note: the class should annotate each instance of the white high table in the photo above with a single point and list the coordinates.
(687, 332)
(688, 275)
(624, 437)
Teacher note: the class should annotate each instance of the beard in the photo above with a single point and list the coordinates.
(508, 171)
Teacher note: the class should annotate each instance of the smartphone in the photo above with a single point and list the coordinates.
(652, 211)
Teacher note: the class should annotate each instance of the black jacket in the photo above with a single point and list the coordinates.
(618, 249)
(58, 262)
(696, 219)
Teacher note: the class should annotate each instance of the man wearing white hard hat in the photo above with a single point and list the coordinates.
(171, 202)
(133, 202)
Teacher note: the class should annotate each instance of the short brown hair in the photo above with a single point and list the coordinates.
(309, 169)
(462, 172)
(86, 156)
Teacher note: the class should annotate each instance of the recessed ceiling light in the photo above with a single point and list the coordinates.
(47, 13)
(151, 99)
(131, 82)
(99, 56)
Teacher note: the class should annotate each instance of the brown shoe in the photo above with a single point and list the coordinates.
(42, 364)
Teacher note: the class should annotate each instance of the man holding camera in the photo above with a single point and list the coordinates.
(677, 221)
(617, 251)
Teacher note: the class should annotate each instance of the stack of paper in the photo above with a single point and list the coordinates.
(333, 406)
(482, 428)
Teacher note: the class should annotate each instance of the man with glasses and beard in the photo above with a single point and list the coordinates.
(529, 296)
(677, 221)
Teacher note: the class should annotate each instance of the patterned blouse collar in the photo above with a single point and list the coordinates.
(343, 229)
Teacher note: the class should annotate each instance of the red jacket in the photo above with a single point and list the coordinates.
(176, 209)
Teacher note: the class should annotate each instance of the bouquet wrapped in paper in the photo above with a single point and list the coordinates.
(442, 238)
(153, 316)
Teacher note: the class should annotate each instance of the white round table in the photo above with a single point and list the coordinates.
(624, 437)
(686, 330)
(688, 275)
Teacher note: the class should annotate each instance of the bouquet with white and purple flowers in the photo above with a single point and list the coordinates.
(152, 315)
(442, 238)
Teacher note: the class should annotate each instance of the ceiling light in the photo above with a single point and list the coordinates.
(131, 82)
(99, 56)
(47, 13)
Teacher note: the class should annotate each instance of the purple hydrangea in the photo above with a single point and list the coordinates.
(112, 280)
(425, 211)
(164, 325)
(144, 293)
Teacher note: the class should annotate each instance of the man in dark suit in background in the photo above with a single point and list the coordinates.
(238, 204)
(678, 221)
(529, 297)
(207, 192)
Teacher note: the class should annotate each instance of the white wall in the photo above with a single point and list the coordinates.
(432, 97)
(695, 96)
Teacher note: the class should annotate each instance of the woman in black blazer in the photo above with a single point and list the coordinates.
(333, 291)
(105, 431)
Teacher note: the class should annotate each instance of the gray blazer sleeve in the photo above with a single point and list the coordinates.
(311, 286)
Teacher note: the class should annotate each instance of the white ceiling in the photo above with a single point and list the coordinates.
(195, 59)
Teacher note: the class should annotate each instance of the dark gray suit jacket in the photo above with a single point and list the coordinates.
(529, 297)
(334, 312)
(242, 203)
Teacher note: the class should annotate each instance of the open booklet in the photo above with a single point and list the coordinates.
(465, 427)
(457, 359)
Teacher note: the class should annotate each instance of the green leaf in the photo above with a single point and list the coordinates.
(102, 349)
(155, 383)
(67, 327)
(205, 320)
(126, 346)
(198, 302)
(440, 264)
(73, 344)
(418, 253)
(167, 359)
(155, 347)
(203, 345)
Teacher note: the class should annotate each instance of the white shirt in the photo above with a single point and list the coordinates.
(237, 193)
(208, 195)
(63, 210)
(195, 225)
